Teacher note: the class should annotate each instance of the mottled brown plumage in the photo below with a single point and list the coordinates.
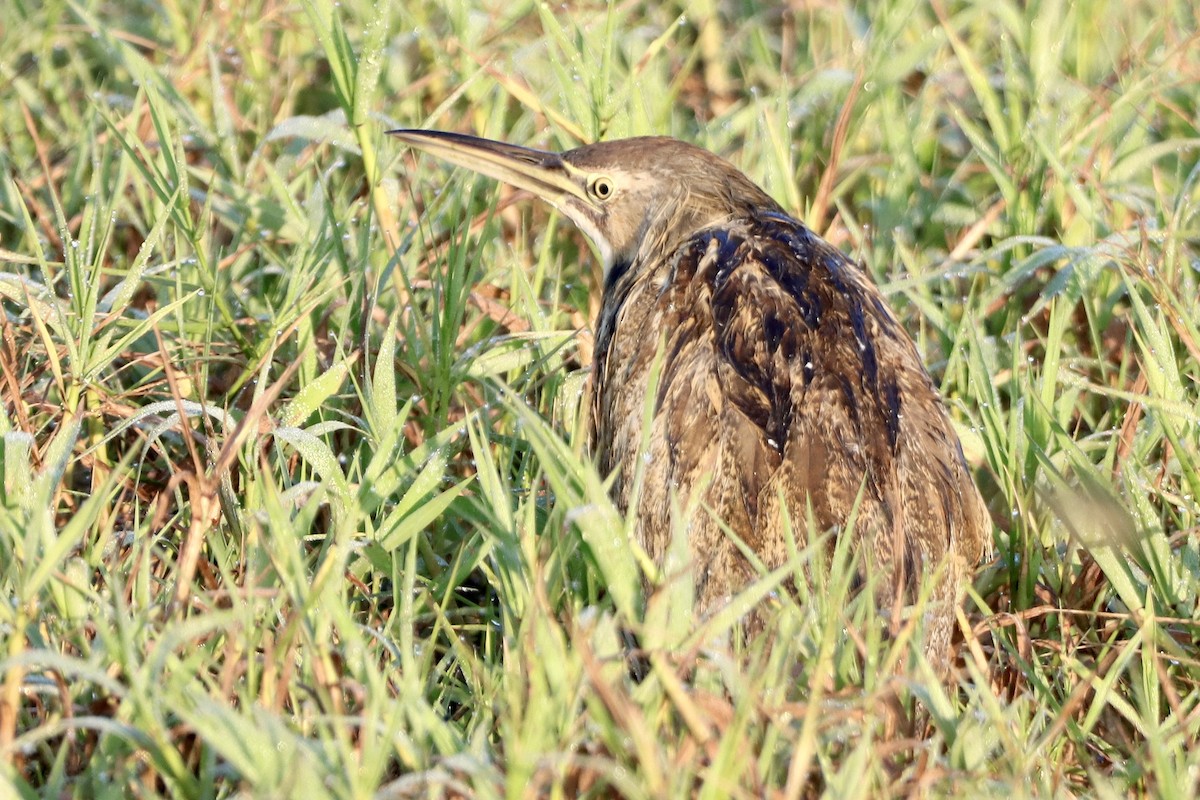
(784, 378)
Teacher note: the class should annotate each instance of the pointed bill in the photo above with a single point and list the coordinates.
(542, 173)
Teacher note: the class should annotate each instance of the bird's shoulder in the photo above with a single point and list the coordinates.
(808, 352)
(772, 350)
(820, 371)
(792, 315)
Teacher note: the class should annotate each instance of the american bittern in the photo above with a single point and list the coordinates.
(785, 384)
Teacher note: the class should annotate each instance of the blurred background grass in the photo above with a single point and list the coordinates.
(296, 501)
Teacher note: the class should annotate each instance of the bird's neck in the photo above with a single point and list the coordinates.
(615, 272)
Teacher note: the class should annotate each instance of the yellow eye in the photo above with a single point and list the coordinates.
(601, 187)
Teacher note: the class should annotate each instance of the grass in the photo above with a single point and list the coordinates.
(295, 500)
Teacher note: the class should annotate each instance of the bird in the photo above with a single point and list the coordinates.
(782, 391)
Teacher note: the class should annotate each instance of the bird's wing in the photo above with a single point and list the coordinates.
(823, 374)
(755, 365)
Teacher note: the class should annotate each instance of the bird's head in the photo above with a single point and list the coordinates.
(623, 194)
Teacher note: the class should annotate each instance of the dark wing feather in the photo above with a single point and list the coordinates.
(781, 373)
(861, 412)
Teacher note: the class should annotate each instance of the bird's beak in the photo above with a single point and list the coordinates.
(542, 173)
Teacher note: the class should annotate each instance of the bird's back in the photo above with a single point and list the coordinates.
(774, 373)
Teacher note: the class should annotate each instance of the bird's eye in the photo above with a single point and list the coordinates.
(601, 187)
